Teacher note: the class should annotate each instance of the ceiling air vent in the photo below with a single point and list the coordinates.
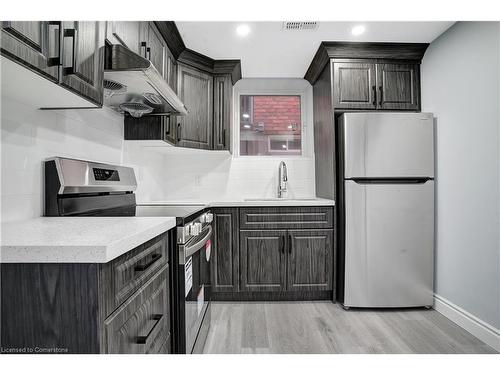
(291, 25)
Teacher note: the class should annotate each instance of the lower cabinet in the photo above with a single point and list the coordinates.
(118, 307)
(310, 260)
(141, 325)
(225, 261)
(276, 261)
(263, 260)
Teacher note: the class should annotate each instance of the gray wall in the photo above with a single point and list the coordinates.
(461, 86)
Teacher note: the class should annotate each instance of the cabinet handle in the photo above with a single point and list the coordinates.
(144, 266)
(148, 53)
(282, 243)
(381, 95)
(374, 88)
(289, 243)
(144, 45)
(55, 61)
(224, 138)
(179, 132)
(71, 33)
(143, 339)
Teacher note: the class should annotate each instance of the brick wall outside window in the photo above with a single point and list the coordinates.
(277, 113)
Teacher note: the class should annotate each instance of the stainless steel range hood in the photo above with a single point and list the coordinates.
(132, 84)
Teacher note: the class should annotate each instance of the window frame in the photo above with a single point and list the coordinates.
(302, 93)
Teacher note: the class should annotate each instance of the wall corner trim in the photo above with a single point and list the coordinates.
(480, 329)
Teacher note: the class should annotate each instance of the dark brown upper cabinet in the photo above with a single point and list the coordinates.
(366, 85)
(370, 76)
(127, 33)
(36, 45)
(83, 58)
(170, 69)
(399, 86)
(354, 85)
(223, 90)
(155, 48)
(195, 89)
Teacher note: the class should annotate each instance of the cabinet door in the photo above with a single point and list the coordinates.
(222, 111)
(354, 85)
(262, 263)
(225, 260)
(141, 325)
(155, 49)
(399, 86)
(171, 69)
(33, 44)
(127, 33)
(194, 88)
(83, 58)
(310, 260)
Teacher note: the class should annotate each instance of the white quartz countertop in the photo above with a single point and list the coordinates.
(77, 239)
(249, 202)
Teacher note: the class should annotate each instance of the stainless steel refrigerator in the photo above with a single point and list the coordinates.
(388, 198)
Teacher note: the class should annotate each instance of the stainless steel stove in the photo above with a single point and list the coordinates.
(85, 188)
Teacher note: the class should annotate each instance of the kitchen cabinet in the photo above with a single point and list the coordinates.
(310, 260)
(34, 44)
(83, 58)
(376, 86)
(354, 85)
(223, 92)
(150, 128)
(155, 48)
(127, 33)
(284, 253)
(170, 69)
(263, 266)
(225, 259)
(195, 89)
(399, 86)
(122, 306)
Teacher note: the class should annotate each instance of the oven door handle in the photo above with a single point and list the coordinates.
(190, 250)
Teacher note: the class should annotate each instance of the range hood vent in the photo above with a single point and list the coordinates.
(133, 85)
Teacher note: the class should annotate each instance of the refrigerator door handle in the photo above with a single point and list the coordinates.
(397, 181)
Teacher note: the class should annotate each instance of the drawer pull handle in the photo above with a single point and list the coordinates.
(144, 266)
(290, 243)
(144, 339)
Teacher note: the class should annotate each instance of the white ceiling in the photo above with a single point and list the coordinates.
(270, 51)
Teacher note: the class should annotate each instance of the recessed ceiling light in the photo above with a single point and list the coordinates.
(246, 115)
(246, 126)
(358, 30)
(243, 30)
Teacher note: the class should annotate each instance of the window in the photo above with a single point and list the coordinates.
(270, 125)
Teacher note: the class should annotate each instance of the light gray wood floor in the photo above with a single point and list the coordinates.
(324, 327)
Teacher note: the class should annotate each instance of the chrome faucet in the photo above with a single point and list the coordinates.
(283, 178)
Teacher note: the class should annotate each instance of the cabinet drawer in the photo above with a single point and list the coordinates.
(286, 217)
(142, 324)
(123, 276)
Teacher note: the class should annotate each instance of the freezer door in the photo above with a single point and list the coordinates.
(389, 244)
(388, 145)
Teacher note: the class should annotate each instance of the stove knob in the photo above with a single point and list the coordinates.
(195, 229)
(209, 217)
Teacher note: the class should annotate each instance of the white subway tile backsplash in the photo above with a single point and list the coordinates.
(29, 136)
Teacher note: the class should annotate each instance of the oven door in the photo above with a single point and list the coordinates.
(195, 296)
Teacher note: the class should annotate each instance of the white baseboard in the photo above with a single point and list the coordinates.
(482, 330)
